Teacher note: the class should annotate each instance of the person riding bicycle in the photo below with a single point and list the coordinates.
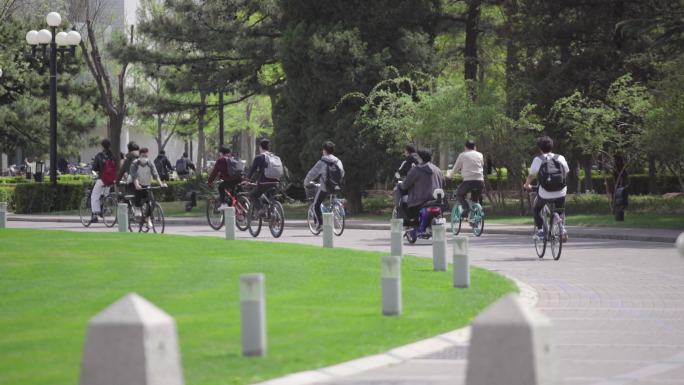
(163, 165)
(141, 173)
(228, 169)
(133, 154)
(329, 172)
(470, 163)
(551, 171)
(267, 168)
(420, 183)
(105, 167)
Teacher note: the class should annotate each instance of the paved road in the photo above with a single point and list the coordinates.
(617, 306)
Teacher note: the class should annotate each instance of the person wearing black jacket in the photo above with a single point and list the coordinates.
(163, 165)
(411, 159)
(98, 166)
(258, 170)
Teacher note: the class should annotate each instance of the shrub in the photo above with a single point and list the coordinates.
(378, 204)
(42, 197)
(7, 195)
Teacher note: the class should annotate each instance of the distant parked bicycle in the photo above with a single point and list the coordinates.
(271, 210)
(475, 214)
(108, 202)
(553, 226)
(333, 205)
(239, 200)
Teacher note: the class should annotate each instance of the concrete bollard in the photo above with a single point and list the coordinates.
(131, 342)
(510, 344)
(122, 217)
(3, 215)
(461, 264)
(253, 315)
(679, 244)
(328, 230)
(439, 247)
(397, 237)
(229, 219)
(391, 285)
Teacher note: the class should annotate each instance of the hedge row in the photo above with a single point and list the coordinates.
(638, 184)
(575, 204)
(33, 198)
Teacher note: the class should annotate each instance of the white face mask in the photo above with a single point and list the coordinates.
(143, 160)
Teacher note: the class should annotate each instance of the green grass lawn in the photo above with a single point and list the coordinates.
(323, 305)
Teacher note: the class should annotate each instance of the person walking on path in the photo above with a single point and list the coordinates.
(163, 165)
(470, 164)
(183, 167)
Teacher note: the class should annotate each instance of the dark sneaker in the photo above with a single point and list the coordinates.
(93, 219)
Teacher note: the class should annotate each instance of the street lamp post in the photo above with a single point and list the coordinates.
(67, 42)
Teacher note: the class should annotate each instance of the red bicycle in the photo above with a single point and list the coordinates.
(239, 200)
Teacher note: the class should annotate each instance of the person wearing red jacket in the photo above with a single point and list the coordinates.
(222, 170)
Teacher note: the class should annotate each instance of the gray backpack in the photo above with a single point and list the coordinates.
(274, 167)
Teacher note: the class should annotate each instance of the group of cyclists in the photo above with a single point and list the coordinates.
(417, 177)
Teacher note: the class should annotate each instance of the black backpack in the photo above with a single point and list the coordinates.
(333, 176)
(235, 168)
(551, 174)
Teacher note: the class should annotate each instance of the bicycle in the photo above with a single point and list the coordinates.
(108, 204)
(334, 205)
(216, 217)
(476, 214)
(152, 215)
(271, 210)
(553, 226)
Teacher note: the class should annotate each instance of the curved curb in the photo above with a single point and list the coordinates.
(458, 337)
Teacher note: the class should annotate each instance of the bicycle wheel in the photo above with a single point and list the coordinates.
(539, 244)
(85, 212)
(109, 206)
(253, 224)
(338, 218)
(556, 236)
(477, 219)
(131, 217)
(456, 219)
(157, 218)
(312, 221)
(242, 212)
(276, 222)
(214, 215)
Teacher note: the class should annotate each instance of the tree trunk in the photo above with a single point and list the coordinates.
(573, 177)
(470, 51)
(652, 176)
(588, 181)
(510, 10)
(114, 127)
(354, 201)
(443, 156)
(201, 142)
(159, 138)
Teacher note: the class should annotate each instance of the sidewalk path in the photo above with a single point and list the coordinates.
(617, 306)
(615, 233)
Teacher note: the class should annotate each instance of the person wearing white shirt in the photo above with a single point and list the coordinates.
(551, 171)
(470, 163)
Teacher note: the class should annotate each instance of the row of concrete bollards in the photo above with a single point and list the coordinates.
(134, 342)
